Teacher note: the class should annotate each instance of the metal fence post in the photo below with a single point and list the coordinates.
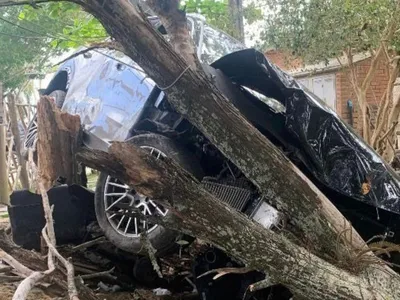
(4, 191)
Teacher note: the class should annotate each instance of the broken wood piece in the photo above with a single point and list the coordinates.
(56, 154)
(88, 244)
(20, 268)
(224, 271)
(106, 274)
(263, 284)
(34, 260)
(6, 269)
(152, 253)
(29, 282)
(72, 291)
(9, 278)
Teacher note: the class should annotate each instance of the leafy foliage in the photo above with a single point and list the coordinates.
(319, 29)
(218, 15)
(75, 27)
(29, 37)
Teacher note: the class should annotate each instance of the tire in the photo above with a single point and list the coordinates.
(162, 239)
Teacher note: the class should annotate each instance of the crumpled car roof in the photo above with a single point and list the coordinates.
(328, 147)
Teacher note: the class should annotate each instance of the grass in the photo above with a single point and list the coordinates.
(91, 179)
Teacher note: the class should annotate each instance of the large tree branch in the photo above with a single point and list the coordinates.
(197, 99)
(174, 21)
(197, 211)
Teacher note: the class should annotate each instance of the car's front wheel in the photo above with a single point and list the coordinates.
(117, 205)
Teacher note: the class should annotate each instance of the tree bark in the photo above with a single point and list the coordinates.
(200, 214)
(4, 191)
(174, 21)
(236, 11)
(12, 109)
(58, 135)
(316, 221)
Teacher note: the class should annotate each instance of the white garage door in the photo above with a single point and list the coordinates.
(322, 86)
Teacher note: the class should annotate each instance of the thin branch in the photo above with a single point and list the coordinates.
(385, 50)
(385, 104)
(371, 71)
(152, 253)
(47, 209)
(224, 271)
(395, 58)
(72, 291)
(6, 269)
(339, 61)
(88, 244)
(29, 282)
(388, 132)
(106, 274)
(20, 268)
(8, 278)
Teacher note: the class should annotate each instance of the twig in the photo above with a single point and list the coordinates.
(47, 210)
(388, 132)
(8, 278)
(88, 244)
(260, 284)
(29, 282)
(152, 253)
(72, 291)
(5, 269)
(100, 274)
(224, 271)
(20, 268)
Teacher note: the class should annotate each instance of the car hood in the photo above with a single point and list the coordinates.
(330, 149)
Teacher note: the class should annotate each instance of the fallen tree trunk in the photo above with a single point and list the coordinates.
(198, 213)
(58, 135)
(316, 221)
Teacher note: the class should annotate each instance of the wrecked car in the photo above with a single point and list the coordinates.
(116, 101)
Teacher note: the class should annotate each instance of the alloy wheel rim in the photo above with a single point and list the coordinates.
(124, 206)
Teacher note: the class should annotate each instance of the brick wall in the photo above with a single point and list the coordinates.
(283, 60)
(344, 89)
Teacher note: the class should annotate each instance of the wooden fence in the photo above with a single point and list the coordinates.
(24, 114)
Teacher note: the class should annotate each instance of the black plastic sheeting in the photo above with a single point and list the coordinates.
(329, 148)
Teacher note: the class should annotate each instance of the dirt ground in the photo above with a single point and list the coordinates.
(7, 291)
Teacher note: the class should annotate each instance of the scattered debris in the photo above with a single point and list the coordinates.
(161, 292)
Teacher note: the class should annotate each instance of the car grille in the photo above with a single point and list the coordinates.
(232, 195)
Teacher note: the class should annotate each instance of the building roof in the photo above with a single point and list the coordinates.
(323, 67)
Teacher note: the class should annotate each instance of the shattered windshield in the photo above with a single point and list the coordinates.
(217, 44)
